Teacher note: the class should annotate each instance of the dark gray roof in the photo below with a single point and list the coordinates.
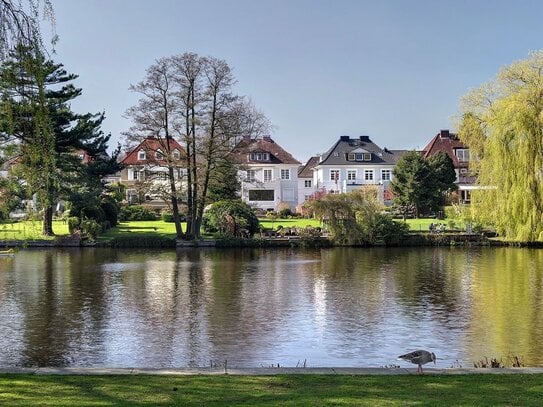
(338, 154)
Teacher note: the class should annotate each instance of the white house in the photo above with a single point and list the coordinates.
(354, 162)
(269, 174)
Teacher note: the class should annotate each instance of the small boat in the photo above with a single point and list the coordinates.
(8, 252)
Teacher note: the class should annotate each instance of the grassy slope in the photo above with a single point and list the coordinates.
(287, 390)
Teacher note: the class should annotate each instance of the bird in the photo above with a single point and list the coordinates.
(419, 357)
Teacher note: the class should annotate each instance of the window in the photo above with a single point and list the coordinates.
(135, 175)
(307, 183)
(359, 156)
(334, 175)
(462, 154)
(261, 195)
(259, 156)
(351, 175)
(285, 174)
(368, 175)
(268, 175)
(141, 155)
(386, 175)
(367, 156)
(251, 175)
(159, 155)
(176, 155)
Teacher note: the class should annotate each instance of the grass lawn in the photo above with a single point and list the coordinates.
(280, 390)
(422, 225)
(142, 228)
(289, 223)
(30, 230)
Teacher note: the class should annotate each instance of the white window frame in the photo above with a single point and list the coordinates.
(308, 183)
(367, 156)
(462, 154)
(251, 175)
(352, 175)
(176, 155)
(268, 175)
(159, 155)
(368, 175)
(285, 174)
(388, 177)
(141, 155)
(334, 175)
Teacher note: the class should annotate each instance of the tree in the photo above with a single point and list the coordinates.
(20, 24)
(423, 183)
(191, 97)
(224, 183)
(411, 183)
(58, 152)
(502, 123)
(231, 218)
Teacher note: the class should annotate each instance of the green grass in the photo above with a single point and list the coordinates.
(283, 390)
(30, 230)
(423, 224)
(143, 228)
(289, 223)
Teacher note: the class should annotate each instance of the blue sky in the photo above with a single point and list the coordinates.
(392, 70)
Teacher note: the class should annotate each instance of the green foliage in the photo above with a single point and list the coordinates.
(284, 213)
(94, 213)
(230, 218)
(73, 224)
(90, 228)
(136, 212)
(224, 183)
(167, 217)
(110, 209)
(422, 183)
(502, 124)
(142, 241)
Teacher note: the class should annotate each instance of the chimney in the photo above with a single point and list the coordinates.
(344, 138)
(267, 138)
(365, 139)
(444, 133)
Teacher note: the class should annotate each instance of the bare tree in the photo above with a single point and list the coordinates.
(192, 98)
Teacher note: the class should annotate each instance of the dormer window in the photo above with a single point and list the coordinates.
(141, 155)
(159, 155)
(359, 156)
(259, 156)
(176, 155)
(462, 154)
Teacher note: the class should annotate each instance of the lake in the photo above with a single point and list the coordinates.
(344, 307)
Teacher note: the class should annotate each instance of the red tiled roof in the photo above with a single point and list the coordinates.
(445, 142)
(151, 145)
(278, 155)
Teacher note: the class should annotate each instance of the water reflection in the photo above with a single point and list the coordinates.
(334, 307)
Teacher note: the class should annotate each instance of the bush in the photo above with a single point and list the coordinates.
(94, 213)
(73, 224)
(285, 213)
(167, 217)
(231, 218)
(111, 210)
(136, 212)
(142, 241)
(91, 228)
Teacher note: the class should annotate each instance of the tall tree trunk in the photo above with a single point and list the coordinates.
(47, 226)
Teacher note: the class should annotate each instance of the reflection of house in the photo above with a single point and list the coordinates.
(352, 163)
(269, 174)
(145, 170)
(449, 143)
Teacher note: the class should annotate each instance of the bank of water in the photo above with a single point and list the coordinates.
(344, 307)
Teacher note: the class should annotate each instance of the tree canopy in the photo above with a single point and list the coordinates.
(422, 183)
(502, 123)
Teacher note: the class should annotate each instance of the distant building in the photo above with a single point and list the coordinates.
(145, 171)
(268, 173)
(352, 163)
(449, 143)
(306, 180)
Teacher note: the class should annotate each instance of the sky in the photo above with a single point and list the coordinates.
(391, 70)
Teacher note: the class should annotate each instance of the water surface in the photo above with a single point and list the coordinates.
(330, 307)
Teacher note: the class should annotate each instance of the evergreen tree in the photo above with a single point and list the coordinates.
(49, 137)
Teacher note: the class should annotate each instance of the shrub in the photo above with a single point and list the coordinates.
(167, 217)
(230, 218)
(94, 213)
(285, 213)
(91, 228)
(142, 241)
(111, 210)
(73, 224)
(136, 212)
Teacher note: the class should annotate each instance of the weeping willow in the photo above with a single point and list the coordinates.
(502, 123)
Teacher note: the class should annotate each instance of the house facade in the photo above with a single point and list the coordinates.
(145, 171)
(306, 181)
(352, 163)
(449, 143)
(268, 173)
